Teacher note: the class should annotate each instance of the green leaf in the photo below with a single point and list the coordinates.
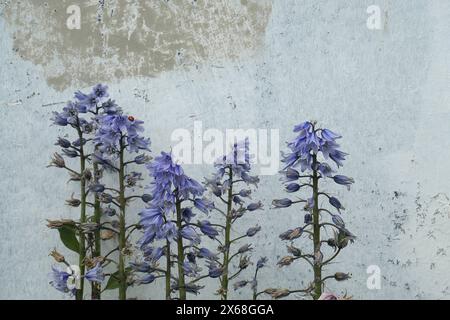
(113, 282)
(69, 238)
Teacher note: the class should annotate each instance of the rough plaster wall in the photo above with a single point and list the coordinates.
(385, 91)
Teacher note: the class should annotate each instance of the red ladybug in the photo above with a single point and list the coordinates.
(131, 118)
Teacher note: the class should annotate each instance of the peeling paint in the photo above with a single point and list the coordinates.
(120, 39)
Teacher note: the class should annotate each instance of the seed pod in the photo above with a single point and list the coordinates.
(285, 261)
(244, 262)
(63, 143)
(294, 251)
(73, 202)
(296, 233)
(280, 293)
(57, 256)
(56, 224)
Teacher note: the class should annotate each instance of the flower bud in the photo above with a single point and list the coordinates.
(292, 187)
(255, 206)
(343, 180)
(79, 142)
(341, 276)
(282, 203)
(308, 218)
(237, 200)
(147, 198)
(338, 221)
(215, 271)
(245, 193)
(252, 231)
(240, 284)
(63, 143)
(336, 203)
(292, 174)
(141, 159)
(97, 187)
(245, 248)
(70, 153)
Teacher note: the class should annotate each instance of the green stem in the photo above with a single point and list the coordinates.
(227, 243)
(82, 239)
(255, 288)
(168, 271)
(122, 227)
(180, 260)
(96, 287)
(316, 232)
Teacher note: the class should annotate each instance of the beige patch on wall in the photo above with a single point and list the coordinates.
(129, 38)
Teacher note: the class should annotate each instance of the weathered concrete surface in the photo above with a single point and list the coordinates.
(386, 91)
(123, 39)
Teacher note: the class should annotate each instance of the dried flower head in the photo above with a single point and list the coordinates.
(57, 161)
(278, 293)
(285, 261)
(57, 256)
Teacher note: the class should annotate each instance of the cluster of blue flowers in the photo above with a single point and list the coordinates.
(239, 160)
(309, 152)
(104, 135)
(310, 142)
(167, 221)
(171, 189)
(118, 131)
(231, 170)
